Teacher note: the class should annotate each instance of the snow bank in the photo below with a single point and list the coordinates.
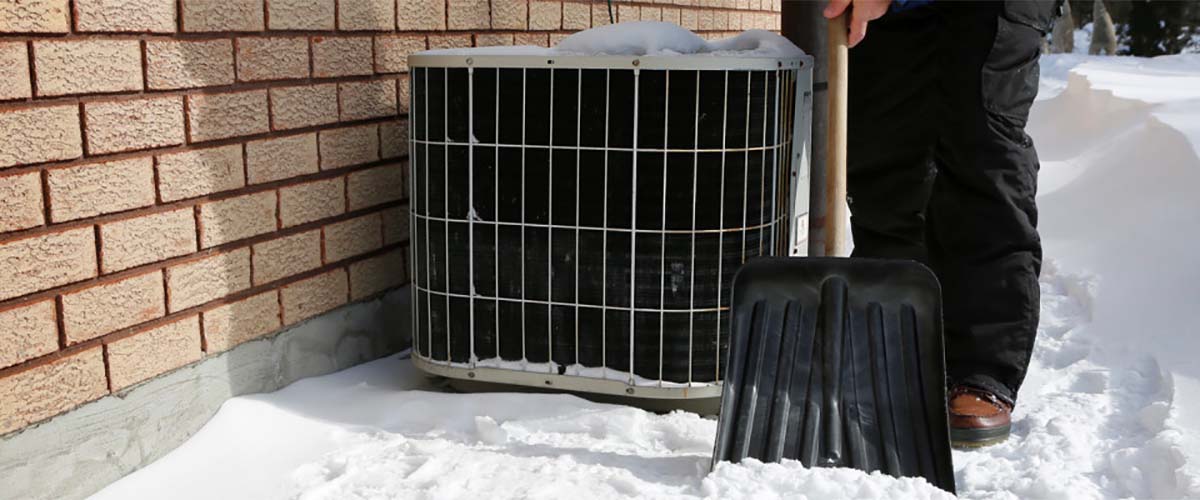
(642, 38)
(1120, 145)
(377, 431)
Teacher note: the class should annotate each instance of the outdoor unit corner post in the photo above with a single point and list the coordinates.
(576, 221)
(803, 24)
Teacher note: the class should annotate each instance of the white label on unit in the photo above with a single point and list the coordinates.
(800, 236)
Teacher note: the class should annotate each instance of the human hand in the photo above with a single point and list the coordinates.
(863, 12)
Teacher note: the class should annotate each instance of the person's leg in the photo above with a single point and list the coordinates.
(982, 231)
(891, 133)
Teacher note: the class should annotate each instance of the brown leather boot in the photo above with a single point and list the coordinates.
(978, 418)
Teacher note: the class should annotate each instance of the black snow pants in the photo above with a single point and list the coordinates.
(940, 170)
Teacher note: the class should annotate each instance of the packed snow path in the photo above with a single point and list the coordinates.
(1111, 407)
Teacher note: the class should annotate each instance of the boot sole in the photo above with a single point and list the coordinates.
(978, 438)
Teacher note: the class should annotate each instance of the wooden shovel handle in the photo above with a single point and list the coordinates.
(835, 153)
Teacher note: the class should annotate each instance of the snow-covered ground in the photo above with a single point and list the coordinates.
(1111, 407)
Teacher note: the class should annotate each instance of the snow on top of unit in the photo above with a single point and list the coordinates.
(633, 39)
(646, 38)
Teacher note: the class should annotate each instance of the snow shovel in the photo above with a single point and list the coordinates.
(837, 362)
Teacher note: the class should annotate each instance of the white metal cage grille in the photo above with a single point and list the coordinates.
(584, 217)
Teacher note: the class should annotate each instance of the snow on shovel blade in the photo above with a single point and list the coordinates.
(837, 363)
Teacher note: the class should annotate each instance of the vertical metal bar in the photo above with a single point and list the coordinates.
(524, 91)
(662, 247)
(428, 249)
(604, 233)
(550, 237)
(470, 210)
(774, 166)
(496, 217)
(578, 148)
(412, 220)
(637, 78)
(721, 224)
(746, 170)
(762, 165)
(692, 267)
(446, 197)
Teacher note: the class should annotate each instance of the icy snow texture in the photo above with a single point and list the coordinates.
(641, 38)
(1111, 407)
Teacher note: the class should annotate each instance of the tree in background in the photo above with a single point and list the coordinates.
(1159, 27)
(1063, 37)
(1175, 24)
(1104, 35)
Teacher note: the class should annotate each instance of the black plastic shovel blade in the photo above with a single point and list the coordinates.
(837, 363)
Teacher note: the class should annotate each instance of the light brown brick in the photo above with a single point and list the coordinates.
(370, 99)
(20, 201)
(349, 146)
(27, 331)
(218, 116)
(449, 41)
(535, 39)
(199, 172)
(509, 14)
(106, 308)
(376, 15)
(34, 16)
(133, 124)
(39, 393)
(393, 138)
(87, 66)
(420, 15)
(651, 13)
(150, 238)
(671, 15)
(688, 18)
(222, 15)
(626, 13)
(36, 135)
(100, 188)
(304, 106)
(207, 279)
(46, 261)
(468, 14)
(493, 39)
(403, 84)
(14, 71)
(281, 158)
(576, 16)
(352, 237)
(153, 352)
(181, 64)
(557, 37)
(237, 218)
(228, 325)
(310, 297)
(376, 274)
(395, 225)
(375, 185)
(545, 16)
(311, 201)
(272, 58)
(154, 16)
(342, 56)
(600, 14)
(288, 256)
(392, 51)
(300, 14)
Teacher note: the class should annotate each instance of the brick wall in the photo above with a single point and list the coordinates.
(181, 176)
